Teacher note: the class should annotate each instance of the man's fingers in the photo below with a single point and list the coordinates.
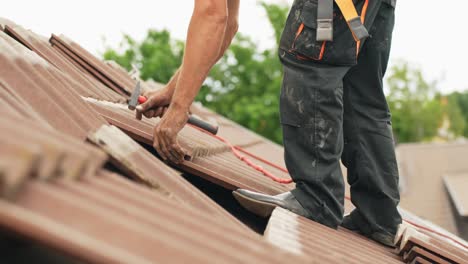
(175, 149)
(166, 142)
(149, 113)
(172, 149)
(151, 108)
(179, 152)
(164, 150)
(175, 153)
(138, 115)
(178, 149)
(152, 100)
(157, 145)
(158, 112)
(164, 147)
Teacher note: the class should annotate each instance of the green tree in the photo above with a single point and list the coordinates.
(244, 86)
(417, 110)
(458, 103)
(157, 57)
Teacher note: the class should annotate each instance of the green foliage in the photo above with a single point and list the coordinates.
(245, 85)
(418, 109)
(277, 15)
(157, 57)
(416, 114)
(458, 112)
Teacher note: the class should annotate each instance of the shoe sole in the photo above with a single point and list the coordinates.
(386, 241)
(262, 209)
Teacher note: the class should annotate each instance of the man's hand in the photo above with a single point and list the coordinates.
(165, 135)
(157, 103)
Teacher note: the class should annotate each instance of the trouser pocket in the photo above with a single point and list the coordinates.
(300, 34)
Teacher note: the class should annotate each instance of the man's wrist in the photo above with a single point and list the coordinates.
(180, 107)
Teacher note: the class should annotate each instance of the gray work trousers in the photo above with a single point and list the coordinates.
(333, 107)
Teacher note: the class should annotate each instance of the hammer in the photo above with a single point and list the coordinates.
(137, 99)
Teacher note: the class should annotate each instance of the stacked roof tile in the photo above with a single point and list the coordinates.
(63, 122)
(413, 245)
(84, 83)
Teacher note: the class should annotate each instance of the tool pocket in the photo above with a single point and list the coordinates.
(293, 102)
(303, 44)
(290, 106)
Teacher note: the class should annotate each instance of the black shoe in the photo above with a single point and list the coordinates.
(263, 205)
(383, 238)
(349, 224)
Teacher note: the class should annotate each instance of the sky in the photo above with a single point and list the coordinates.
(430, 36)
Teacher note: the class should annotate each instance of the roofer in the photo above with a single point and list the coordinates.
(332, 107)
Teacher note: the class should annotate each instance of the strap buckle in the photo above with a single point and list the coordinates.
(324, 29)
(325, 20)
(358, 29)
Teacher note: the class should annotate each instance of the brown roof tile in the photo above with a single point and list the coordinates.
(15, 76)
(420, 260)
(172, 234)
(305, 237)
(60, 236)
(59, 155)
(17, 104)
(121, 83)
(19, 161)
(146, 168)
(37, 82)
(417, 252)
(410, 238)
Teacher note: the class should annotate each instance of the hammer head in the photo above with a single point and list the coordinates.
(133, 102)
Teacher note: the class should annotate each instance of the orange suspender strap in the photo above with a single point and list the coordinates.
(363, 19)
(353, 19)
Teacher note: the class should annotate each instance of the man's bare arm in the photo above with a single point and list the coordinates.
(205, 41)
(232, 26)
(231, 30)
